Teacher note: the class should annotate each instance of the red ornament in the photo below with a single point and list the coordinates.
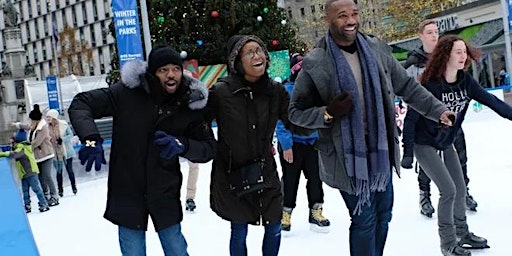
(275, 42)
(215, 14)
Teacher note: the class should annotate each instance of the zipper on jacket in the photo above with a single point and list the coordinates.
(250, 95)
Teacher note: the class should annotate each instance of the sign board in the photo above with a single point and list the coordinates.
(53, 93)
(126, 23)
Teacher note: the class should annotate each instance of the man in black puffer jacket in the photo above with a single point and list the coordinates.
(158, 117)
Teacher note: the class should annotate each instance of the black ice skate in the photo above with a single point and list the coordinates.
(455, 251)
(471, 241)
(43, 208)
(28, 208)
(426, 207)
(74, 190)
(190, 205)
(318, 222)
(471, 204)
(53, 201)
(286, 221)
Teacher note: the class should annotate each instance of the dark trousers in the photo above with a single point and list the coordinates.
(460, 147)
(369, 230)
(305, 158)
(69, 168)
(271, 239)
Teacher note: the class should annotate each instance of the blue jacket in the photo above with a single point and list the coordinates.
(285, 137)
(455, 96)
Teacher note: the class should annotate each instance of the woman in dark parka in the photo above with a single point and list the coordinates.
(246, 106)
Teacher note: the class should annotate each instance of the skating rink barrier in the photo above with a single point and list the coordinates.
(15, 234)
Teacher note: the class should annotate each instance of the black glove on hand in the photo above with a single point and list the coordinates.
(92, 152)
(407, 162)
(170, 145)
(59, 140)
(341, 105)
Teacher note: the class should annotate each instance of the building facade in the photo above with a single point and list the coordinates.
(38, 19)
(308, 16)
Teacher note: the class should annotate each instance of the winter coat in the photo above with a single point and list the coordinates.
(315, 88)
(25, 161)
(246, 118)
(66, 134)
(456, 96)
(40, 140)
(416, 62)
(140, 182)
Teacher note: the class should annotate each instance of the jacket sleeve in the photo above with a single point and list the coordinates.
(68, 135)
(90, 105)
(284, 103)
(415, 95)
(40, 136)
(200, 142)
(408, 135)
(283, 136)
(481, 95)
(303, 110)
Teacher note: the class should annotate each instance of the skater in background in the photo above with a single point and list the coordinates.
(428, 33)
(446, 77)
(346, 91)
(297, 154)
(193, 175)
(61, 136)
(39, 138)
(158, 115)
(26, 165)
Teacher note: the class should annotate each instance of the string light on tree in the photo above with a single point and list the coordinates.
(266, 10)
(215, 14)
(183, 54)
(283, 22)
(160, 19)
(259, 18)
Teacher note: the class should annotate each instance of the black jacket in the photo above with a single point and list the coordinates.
(140, 182)
(417, 57)
(456, 97)
(246, 119)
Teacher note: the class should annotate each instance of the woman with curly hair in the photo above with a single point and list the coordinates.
(446, 78)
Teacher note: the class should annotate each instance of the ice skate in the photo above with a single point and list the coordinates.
(471, 241)
(318, 222)
(426, 207)
(471, 204)
(190, 205)
(286, 221)
(28, 208)
(455, 251)
(43, 208)
(53, 201)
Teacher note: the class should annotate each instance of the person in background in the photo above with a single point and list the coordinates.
(26, 165)
(428, 33)
(446, 78)
(245, 187)
(346, 91)
(158, 117)
(39, 138)
(193, 175)
(297, 154)
(61, 136)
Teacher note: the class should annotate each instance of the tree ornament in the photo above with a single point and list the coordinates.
(265, 10)
(259, 18)
(215, 14)
(275, 42)
(199, 42)
(183, 54)
(160, 19)
(283, 22)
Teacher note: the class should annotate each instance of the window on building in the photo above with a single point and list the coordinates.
(104, 35)
(321, 7)
(313, 10)
(290, 14)
(84, 12)
(95, 11)
(19, 87)
(93, 36)
(73, 14)
(29, 9)
(302, 12)
(39, 3)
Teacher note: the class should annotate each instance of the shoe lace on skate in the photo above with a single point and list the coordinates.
(317, 214)
(286, 218)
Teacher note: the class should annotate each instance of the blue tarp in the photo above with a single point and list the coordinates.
(15, 234)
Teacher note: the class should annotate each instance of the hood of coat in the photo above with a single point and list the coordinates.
(134, 74)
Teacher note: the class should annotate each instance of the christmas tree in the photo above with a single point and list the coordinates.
(202, 28)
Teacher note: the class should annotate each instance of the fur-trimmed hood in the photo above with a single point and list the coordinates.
(133, 75)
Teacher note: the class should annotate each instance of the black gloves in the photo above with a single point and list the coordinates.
(59, 141)
(406, 162)
(92, 152)
(341, 105)
(170, 146)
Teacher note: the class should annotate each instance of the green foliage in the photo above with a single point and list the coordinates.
(192, 26)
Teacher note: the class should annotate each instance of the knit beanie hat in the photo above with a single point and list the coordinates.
(35, 114)
(235, 45)
(53, 113)
(20, 136)
(162, 55)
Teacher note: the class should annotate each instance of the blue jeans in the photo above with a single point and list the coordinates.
(32, 182)
(133, 241)
(271, 239)
(369, 230)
